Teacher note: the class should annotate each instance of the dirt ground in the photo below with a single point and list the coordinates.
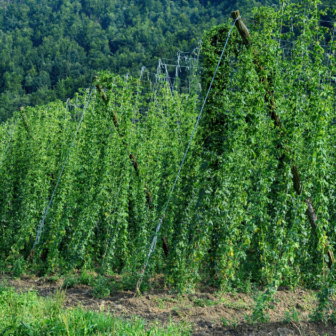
(208, 313)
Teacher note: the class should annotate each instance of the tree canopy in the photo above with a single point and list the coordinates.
(50, 49)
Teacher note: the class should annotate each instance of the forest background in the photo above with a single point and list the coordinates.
(51, 48)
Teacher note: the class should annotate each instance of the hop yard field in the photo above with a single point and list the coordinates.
(204, 197)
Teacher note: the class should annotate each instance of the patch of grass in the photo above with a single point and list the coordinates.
(167, 299)
(204, 303)
(30, 314)
(160, 303)
(238, 305)
(291, 316)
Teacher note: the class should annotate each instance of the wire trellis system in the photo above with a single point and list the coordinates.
(152, 248)
(59, 178)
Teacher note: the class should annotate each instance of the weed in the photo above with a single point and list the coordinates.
(292, 316)
(234, 324)
(27, 314)
(54, 278)
(70, 282)
(204, 303)
(161, 304)
(101, 288)
(86, 278)
(178, 311)
(238, 305)
(19, 267)
(226, 322)
(263, 301)
(169, 299)
(328, 289)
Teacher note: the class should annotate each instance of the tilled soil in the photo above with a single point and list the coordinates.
(207, 312)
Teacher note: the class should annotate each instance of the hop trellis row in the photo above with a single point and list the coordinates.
(256, 195)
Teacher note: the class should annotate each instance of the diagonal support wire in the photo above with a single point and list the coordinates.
(60, 175)
(152, 248)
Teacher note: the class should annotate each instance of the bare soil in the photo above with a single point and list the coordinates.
(209, 313)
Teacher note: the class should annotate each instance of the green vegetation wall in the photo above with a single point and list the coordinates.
(258, 200)
(256, 196)
(116, 179)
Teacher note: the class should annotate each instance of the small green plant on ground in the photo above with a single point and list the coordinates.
(328, 289)
(19, 267)
(226, 322)
(160, 303)
(204, 303)
(291, 316)
(235, 304)
(178, 311)
(263, 302)
(86, 278)
(101, 287)
(70, 282)
(169, 299)
(54, 278)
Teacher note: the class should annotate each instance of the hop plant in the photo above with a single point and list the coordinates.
(19, 267)
(100, 288)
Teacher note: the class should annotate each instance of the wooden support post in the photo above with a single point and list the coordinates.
(269, 97)
(310, 212)
(165, 246)
(135, 163)
(243, 31)
(101, 91)
(105, 99)
(148, 196)
(115, 119)
(246, 37)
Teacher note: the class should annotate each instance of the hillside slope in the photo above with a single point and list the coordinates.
(49, 49)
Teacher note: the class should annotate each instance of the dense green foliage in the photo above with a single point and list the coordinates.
(49, 49)
(260, 216)
(239, 210)
(103, 208)
(23, 314)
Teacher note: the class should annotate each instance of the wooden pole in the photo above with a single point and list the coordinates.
(243, 31)
(105, 99)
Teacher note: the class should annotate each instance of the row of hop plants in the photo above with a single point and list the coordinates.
(259, 187)
(255, 198)
(114, 183)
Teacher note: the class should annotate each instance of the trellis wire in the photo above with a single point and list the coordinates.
(9, 141)
(152, 248)
(59, 178)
